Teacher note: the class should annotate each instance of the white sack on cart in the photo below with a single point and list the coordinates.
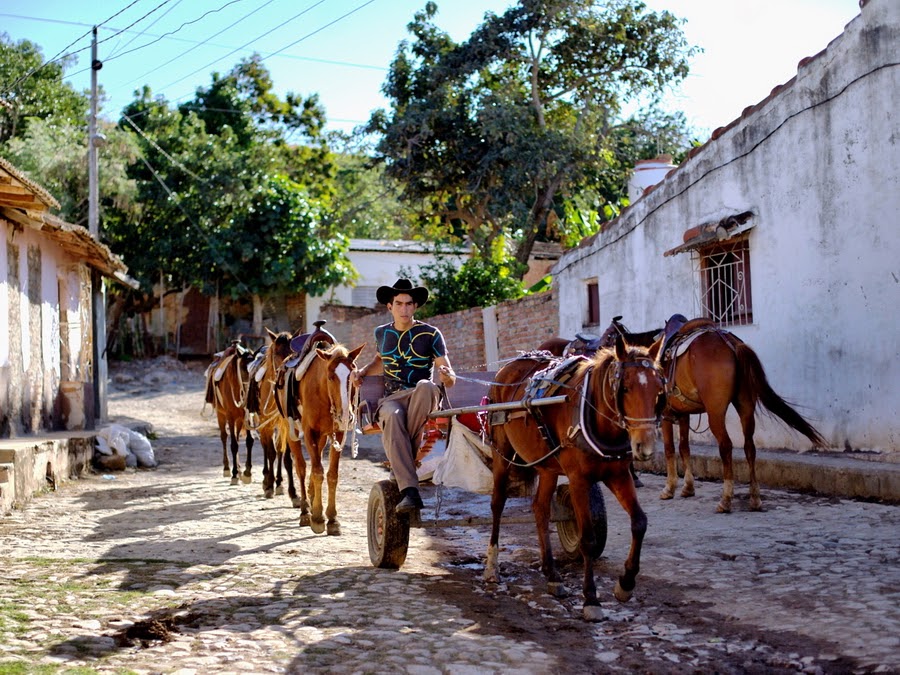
(465, 462)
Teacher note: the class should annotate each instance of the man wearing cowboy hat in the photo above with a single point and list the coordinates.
(407, 350)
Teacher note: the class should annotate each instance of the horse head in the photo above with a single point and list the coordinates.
(634, 389)
(339, 364)
(280, 349)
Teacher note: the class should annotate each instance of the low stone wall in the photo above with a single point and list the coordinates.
(31, 465)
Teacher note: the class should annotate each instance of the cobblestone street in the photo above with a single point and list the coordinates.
(173, 570)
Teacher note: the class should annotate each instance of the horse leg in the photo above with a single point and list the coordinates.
(333, 527)
(223, 434)
(498, 502)
(540, 506)
(268, 448)
(668, 432)
(684, 449)
(579, 488)
(248, 466)
(748, 425)
(621, 485)
(299, 462)
(279, 478)
(717, 427)
(316, 478)
(234, 453)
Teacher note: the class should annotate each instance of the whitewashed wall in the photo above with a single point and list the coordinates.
(817, 164)
(378, 264)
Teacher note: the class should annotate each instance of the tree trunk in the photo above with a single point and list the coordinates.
(257, 314)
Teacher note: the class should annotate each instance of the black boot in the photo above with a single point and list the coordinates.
(411, 501)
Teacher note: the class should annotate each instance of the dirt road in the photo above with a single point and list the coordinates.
(174, 570)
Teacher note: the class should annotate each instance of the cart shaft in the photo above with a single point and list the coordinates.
(489, 407)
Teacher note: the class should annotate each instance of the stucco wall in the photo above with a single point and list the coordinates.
(32, 272)
(816, 165)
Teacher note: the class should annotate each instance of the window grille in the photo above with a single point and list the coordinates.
(725, 294)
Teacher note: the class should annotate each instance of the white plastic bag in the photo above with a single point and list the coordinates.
(465, 462)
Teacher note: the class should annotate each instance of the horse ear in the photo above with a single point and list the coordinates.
(322, 354)
(356, 352)
(655, 348)
(272, 335)
(621, 348)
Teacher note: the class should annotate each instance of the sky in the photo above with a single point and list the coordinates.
(341, 49)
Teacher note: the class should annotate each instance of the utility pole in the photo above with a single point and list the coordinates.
(98, 295)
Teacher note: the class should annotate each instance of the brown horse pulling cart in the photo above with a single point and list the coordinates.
(388, 532)
(582, 418)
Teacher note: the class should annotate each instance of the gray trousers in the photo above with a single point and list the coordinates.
(402, 417)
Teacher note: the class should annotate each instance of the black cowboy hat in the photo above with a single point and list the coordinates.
(386, 294)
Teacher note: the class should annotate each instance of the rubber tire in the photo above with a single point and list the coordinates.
(567, 530)
(388, 534)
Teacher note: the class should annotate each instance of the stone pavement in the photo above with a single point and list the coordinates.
(175, 571)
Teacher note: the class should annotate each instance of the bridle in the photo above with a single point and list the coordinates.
(614, 395)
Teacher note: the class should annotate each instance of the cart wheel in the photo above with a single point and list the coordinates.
(388, 535)
(568, 529)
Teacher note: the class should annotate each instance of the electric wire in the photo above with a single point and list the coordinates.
(245, 45)
(319, 30)
(199, 44)
(144, 32)
(163, 152)
(64, 52)
(173, 196)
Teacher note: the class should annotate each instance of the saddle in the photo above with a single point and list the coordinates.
(301, 345)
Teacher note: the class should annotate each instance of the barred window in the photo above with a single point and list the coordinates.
(725, 282)
(364, 296)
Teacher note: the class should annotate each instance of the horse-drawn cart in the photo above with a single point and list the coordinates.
(388, 531)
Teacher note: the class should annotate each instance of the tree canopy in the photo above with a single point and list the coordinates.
(225, 201)
(489, 134)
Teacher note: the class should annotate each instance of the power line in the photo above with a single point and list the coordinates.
(62, 53)
(163, 152)
(319, 30)
(139, 33)
(245, 45)
(199, 44)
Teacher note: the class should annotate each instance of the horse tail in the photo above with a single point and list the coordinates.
(754, 376)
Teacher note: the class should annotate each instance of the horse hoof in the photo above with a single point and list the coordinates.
(246, 480)
(666, 494)
(279, 491)
(269, 494)
(297, 503)
(304, 520)
(756, 506)
(317, 526)
(226, 473)
(333, 529)
(491, 577)
(593, 613)
(621, 594)
(234, 480)
(687, 493)
(722, 507)
(557, 589)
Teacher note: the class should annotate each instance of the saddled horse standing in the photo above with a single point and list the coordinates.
(261, 402)
(226, 387)
(610, 415)
(708, 369)
(324, 400)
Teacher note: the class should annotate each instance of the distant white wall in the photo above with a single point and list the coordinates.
(817, 165)
(376, 268)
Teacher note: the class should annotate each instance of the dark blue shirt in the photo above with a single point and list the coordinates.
(408, 356)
